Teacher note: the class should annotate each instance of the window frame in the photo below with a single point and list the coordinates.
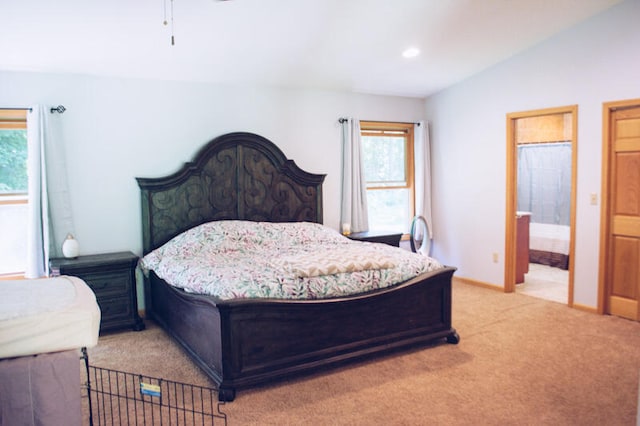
(381, 128)
(13, 119)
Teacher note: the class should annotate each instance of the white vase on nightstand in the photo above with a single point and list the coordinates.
(70, 247)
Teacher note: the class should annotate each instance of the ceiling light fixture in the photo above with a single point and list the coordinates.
(164, 22)
(411, 52)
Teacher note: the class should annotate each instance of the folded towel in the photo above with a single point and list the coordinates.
(340, 260)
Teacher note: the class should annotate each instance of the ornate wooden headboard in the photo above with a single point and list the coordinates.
(235, 176)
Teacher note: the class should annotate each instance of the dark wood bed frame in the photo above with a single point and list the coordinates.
(243, 343)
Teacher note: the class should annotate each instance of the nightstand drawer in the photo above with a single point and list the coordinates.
(115, 308)
(108, 284)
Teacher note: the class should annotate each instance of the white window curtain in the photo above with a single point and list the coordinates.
(49, 212)
(354, 214)
(422, 155)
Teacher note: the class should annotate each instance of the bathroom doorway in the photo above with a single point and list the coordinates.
(541, 176)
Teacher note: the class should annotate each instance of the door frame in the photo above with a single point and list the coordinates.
(512, 194)
(608, 108)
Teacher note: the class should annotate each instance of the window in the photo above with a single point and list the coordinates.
(387, 151)
(13, 192)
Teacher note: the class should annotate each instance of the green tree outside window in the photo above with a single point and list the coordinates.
(13, 161)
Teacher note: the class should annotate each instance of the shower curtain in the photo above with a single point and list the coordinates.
(544, 182)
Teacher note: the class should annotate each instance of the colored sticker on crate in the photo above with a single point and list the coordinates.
(149, 389)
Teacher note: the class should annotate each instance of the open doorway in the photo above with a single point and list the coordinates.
(541, 176)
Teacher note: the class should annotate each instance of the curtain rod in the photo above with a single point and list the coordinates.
(344, 120)
(59, 109)
(19, 109)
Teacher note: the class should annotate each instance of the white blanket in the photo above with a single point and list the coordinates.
(549, 238)
(47, 315)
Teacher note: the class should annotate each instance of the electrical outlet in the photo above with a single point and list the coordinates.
(594, 199)
(495, 257)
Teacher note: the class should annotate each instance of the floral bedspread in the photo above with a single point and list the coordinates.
(242, 259)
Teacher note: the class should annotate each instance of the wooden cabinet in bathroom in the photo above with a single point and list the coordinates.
(522, 245)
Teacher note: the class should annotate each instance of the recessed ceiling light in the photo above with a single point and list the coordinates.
(411, 52)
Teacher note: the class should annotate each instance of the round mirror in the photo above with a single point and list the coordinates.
(419, 236)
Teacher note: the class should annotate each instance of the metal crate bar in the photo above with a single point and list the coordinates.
(120, 398)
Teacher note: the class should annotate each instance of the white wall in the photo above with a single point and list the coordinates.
(118, 129)
(597, 61)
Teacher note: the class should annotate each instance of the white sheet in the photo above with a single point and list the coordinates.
(47, 315)
(549, 238)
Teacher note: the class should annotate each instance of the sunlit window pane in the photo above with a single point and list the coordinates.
(13, 161)
(13, 243)
(389, 209)
(13, 195)
(384, 160)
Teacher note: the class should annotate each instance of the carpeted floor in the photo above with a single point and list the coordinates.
(521, 361)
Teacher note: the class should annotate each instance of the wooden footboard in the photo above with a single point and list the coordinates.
(248, 342)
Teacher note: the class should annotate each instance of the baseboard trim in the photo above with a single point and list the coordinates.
(479, 283)
(476, 283)
(585, 308)
(578, 306)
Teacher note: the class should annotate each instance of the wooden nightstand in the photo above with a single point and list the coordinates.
(112, 278)
(393, 239)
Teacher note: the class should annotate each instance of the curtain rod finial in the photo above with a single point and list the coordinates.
(59, 109)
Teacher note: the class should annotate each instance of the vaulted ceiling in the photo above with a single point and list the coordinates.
(353, 45)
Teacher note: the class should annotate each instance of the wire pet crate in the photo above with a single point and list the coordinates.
(120, 398)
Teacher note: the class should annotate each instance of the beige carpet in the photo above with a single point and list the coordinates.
(520, 361)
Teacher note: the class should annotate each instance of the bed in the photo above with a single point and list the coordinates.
(549, 245)
(240, 343)
(43, 325)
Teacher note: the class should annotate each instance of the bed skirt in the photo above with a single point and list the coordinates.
(41, 390)
(557, 260)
